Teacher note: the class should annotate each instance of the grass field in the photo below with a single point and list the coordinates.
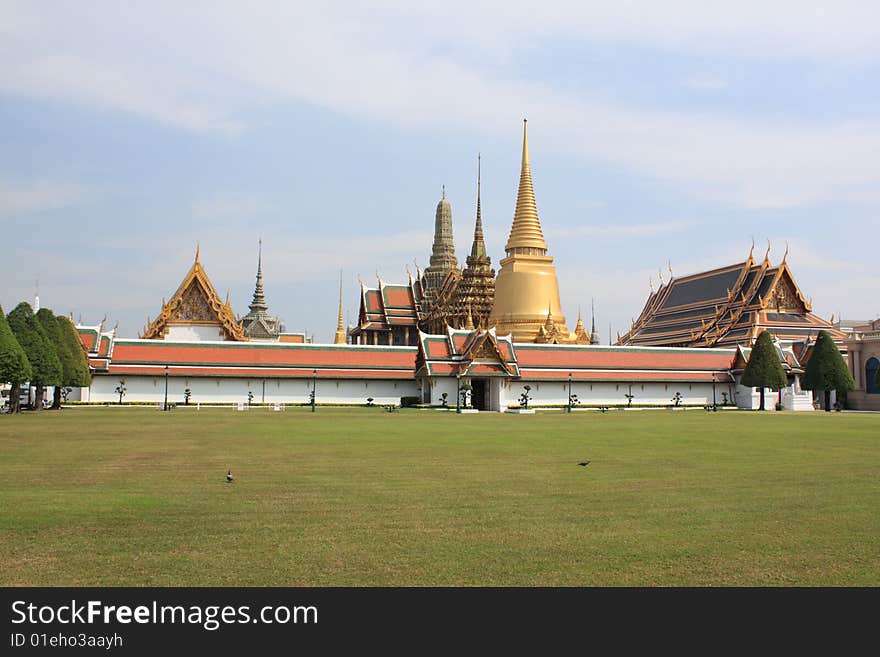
(114, 497)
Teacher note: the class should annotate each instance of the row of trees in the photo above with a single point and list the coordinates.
(42, 350)
(826, 370)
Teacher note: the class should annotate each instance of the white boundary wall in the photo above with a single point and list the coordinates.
(503, 393)
(223, 389)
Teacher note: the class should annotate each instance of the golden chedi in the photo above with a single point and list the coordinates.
(526, 290)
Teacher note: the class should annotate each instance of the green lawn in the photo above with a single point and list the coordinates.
(114, 497)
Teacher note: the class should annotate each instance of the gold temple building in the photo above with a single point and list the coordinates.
(523, 301)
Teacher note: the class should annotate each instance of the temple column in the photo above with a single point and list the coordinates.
(857, 368)
(391, 338)
(375, 337)
(406, 335)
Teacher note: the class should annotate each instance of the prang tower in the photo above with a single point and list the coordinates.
(526, 290)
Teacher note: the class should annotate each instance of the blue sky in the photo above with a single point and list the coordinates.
(659, 132)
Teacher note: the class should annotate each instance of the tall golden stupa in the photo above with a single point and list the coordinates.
(526, 290)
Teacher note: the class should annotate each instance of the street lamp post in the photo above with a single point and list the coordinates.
(314, 388)
(165, 405)
(569, 392)
(714, 402)
(458, 393)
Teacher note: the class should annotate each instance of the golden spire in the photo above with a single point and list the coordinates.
(469, 320)
(549, 324)
(339, 338)
(526, 230)
(197, 253)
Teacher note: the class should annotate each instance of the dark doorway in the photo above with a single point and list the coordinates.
(478, 394)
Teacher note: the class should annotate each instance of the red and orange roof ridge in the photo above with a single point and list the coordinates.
(389, 304)
(461, 351)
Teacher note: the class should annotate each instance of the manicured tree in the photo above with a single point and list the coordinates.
(826, 369)
(74, 364)
(14, 365)
(46, 318)
(40, 351)
(764, 369)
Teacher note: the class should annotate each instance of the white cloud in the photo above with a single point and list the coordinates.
(457, 66)
(24, 197)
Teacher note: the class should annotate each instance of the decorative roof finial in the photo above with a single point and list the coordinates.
(443, 192)
(785, 255)
(259, 305)
(669, 268)
(651, 283)
(526, 229)
(751, 250)
(478, 247)
(197, 253)
(767, 253)
(339, 338)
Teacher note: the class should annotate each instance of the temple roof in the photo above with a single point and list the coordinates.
(390, 304)
(466, 352)
(477, 353)
(195, 302)
(270, 360)
(727, 306)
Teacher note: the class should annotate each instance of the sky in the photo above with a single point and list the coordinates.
(662, 135)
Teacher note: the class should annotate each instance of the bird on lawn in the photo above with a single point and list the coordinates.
(229, 476)
(584, 463)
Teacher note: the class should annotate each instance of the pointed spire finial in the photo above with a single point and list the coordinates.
(751, 250)
(526, 229)
(339, 338)
(478, 247)
(785, 255)
(767, 253)
(651, 282)
(669, 268)
(197, 253)
(443, 192)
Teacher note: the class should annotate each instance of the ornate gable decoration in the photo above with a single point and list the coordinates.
(483, 348)
(195, 303)
(785, 295)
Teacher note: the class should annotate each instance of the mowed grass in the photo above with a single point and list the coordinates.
(114, 497)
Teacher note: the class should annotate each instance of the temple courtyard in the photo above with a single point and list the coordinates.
(133, 496)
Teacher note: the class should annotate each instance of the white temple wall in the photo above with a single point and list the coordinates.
(651, 393)
(217, 389)
(501, 393)
(436, 386)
